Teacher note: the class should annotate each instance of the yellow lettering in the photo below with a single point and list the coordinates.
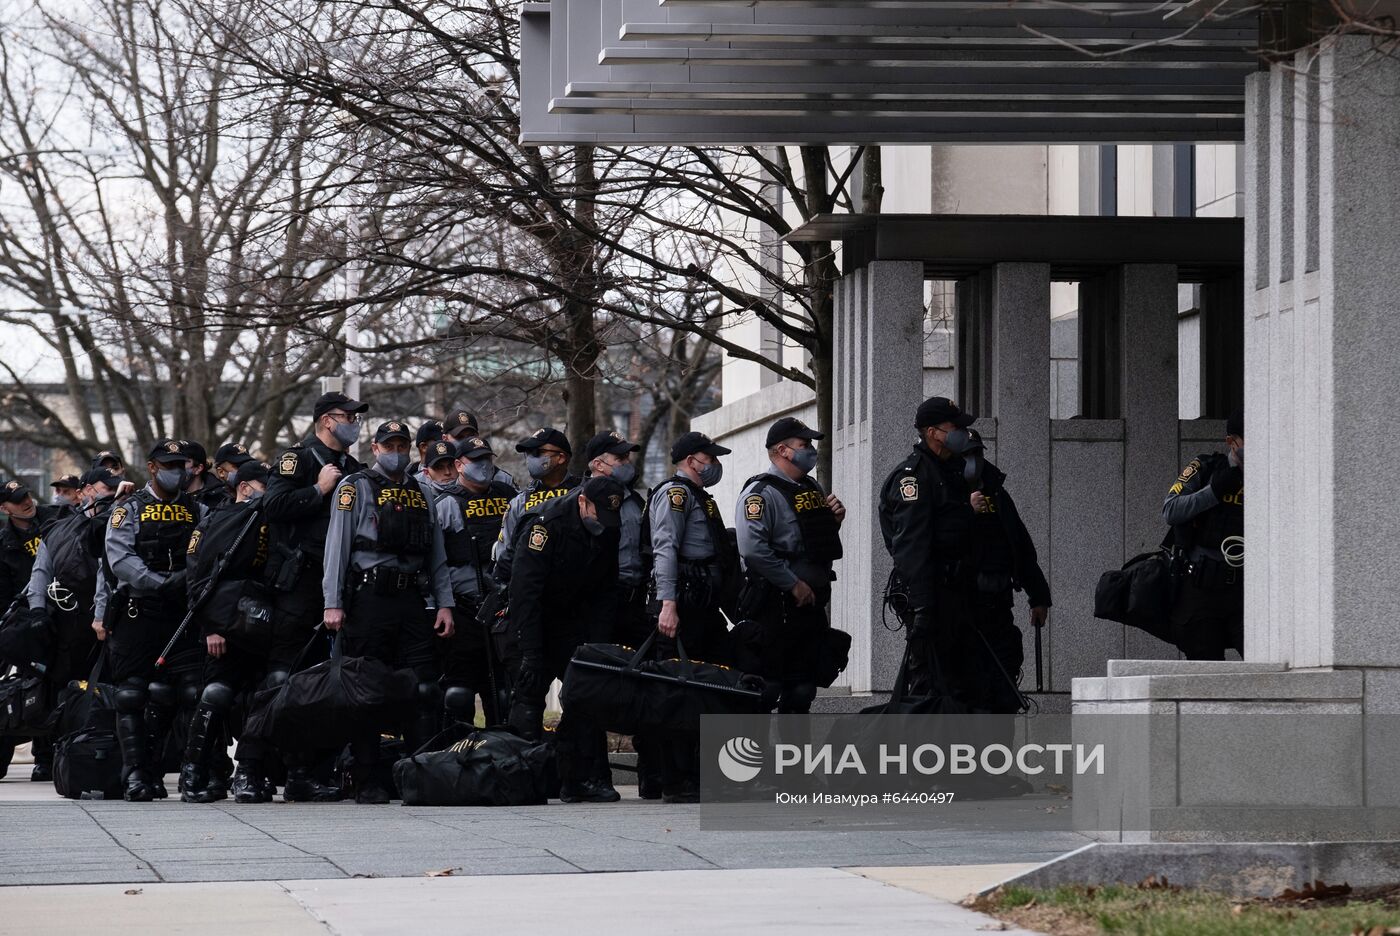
(486, 507)
(539, 497)
(403, 496)
(32, 546)
(166, 513)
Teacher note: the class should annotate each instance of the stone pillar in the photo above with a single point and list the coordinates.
(879, 350)
(1322, 387)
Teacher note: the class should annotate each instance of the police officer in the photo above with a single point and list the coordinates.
(428, 433)
(547, 453)
(926, 519)
(470, 506)
(111, 461)
(146, 547)
(24, 522)
(298, 508)
(1205, 508)
(566, 565)
(384, 553)
(67, 491)
(789, 536)
(235, 626)
(1006, 561)
(694, 575)
(202, 484)
(461, 425)
(227, 460)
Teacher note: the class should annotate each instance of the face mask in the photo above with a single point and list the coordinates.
(347, 434)
(253, 494)
(480, 472)
(593, 525)
(711, 473)
(539, 465)
(172, 480)
(804, 459)
(391, 463)
(624, 474)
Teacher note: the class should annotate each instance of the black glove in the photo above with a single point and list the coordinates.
(1227, 482)
(529, 676)
(173, 584)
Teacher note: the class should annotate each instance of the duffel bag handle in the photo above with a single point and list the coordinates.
(642, 650)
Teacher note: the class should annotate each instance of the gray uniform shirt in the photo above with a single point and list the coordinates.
(629, 549)
(679, 533)
(126, 565)
(40, 577)
(766, 526)
(356, 513)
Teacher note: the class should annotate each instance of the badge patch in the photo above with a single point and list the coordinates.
(677, 498)
(345, 499)
(909, 488)
(288, 464)
(194, 542)
(753, 507)
(538, 537)
(118, 517)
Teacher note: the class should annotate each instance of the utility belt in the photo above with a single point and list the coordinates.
(995, 582)
(761, 600)
(1211, 574)
(699, 582)
(123, 606)
(383, 580)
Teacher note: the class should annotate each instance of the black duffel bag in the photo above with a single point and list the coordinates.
(621, 690)
(483, 767)
(325, 706)
(26, 638)
(87, 764)
(24, 705)
(88, 703)
(1141, 594)
(753, 647)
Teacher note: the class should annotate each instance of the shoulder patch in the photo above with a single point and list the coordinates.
(753, 507)
(287, 464)
(676, 496)
(909, 488)
(118, 517)
(345, 497)
(538, 537)
(1190, 470)
(194, 542)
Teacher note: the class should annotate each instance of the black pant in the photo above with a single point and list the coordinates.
(997, 644)
(467, 659)
(243, 670)
(582, 747)
(1208, 620)
(704, 635)
(295, 615)
(942, 657)
(793, 640)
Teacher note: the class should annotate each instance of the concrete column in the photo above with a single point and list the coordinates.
(1148, 303)
(879, 348)
(1322, 389)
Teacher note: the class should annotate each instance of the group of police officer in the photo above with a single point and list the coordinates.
(442, 566)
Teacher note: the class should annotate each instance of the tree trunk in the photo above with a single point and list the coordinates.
(872, 184)
(819, 276)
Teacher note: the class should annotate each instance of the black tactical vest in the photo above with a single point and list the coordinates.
(163, 533)
(482, 515)
(404, 519)
(821, 533)
(1225, 519)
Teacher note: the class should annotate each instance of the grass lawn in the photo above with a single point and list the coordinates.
(1156, 908)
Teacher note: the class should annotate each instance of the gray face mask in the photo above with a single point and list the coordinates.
(479, 471)
(624, 474)
(539, 465)
(172, 480)
(253, 495)
(392, 463)
(711, 473)
(593, 525)
(804, 459)
(347, 434)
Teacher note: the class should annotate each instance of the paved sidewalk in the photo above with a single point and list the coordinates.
(787, 902)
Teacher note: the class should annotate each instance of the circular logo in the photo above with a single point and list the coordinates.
(740, 759)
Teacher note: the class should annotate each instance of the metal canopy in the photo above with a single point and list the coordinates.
(789, 71)
(1076, 247)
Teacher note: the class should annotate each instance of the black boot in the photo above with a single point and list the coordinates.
(591, 790)
(247, 786)
(42, 749)
(205, 726)
(302, 788)
(131, 734)
(160, 715)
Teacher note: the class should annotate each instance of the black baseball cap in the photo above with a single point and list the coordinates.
(167, 451)
(607, 496)
(252, 470)
(542, 437)
(1234, 425)
(693, 442)
(336, 400)
(13, 492)
(233, 453)
(790, 427)
(393, 429)
(460, 423)
(608, 442)
(70, 482)
(474, 446)
(101, 476)
(430, 431)
(937, 410)
(439, 451)
(194, 452)
(105, 455)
